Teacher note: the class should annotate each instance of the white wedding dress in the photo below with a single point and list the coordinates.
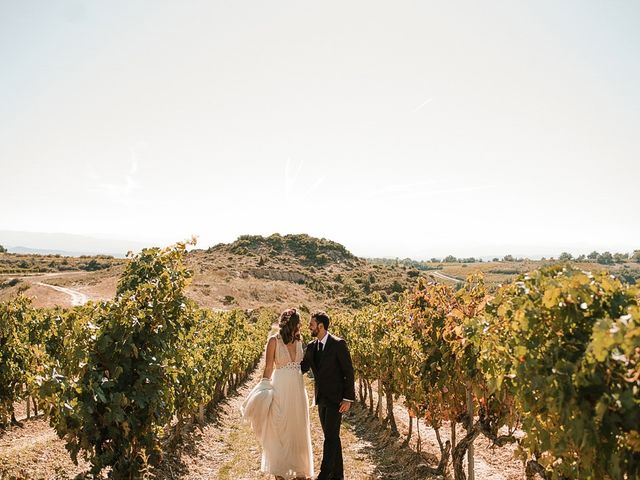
(278, 411)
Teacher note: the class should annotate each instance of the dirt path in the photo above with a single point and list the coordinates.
(227, 448)
(45, 289)
(438, 274)
(76, 297)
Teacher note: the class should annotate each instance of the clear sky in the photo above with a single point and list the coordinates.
(396, 128)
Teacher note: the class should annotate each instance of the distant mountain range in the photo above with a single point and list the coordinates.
(66, 244)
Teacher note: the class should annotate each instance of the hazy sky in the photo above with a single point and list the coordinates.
(396, 128)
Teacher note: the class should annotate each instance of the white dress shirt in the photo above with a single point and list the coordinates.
(324, 340)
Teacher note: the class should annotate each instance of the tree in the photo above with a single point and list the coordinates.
(93, 265)
(508, 258)
(450, 259)
(3, 249)
(397, 287)
(593, 255)
(605, 258)
(565, 257)
(636, 256)
(620, 257)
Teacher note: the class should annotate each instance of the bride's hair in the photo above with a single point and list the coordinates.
(289, 321)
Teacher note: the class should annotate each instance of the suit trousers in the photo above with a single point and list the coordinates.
(330, 418)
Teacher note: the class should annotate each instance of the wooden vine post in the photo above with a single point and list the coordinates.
(379, 406)
(471, 473)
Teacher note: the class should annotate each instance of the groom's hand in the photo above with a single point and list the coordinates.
(344, 406)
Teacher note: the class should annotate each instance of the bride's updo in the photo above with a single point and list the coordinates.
(289, 322)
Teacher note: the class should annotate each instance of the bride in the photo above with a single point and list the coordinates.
(278, 407)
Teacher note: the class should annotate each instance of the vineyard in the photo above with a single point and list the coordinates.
(119, 380)
(550, 363)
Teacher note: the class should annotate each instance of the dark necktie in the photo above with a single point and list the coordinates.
(318, 354)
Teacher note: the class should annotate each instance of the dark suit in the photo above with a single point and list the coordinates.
(333, 382)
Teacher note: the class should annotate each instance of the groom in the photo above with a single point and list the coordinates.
(329, 360)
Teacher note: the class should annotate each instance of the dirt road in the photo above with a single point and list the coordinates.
(438, 274)
(77, 298)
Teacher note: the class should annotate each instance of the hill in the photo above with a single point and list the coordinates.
(291, 270)
(278, 271)
(253, 271)
(306, 249)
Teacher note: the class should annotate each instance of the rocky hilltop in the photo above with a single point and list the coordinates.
(295, 270)
(306, 249)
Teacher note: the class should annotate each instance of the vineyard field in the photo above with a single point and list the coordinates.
(543, 369)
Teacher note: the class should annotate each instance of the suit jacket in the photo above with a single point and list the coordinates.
(333, 377)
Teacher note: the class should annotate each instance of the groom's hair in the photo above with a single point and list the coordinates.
(321, 317)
